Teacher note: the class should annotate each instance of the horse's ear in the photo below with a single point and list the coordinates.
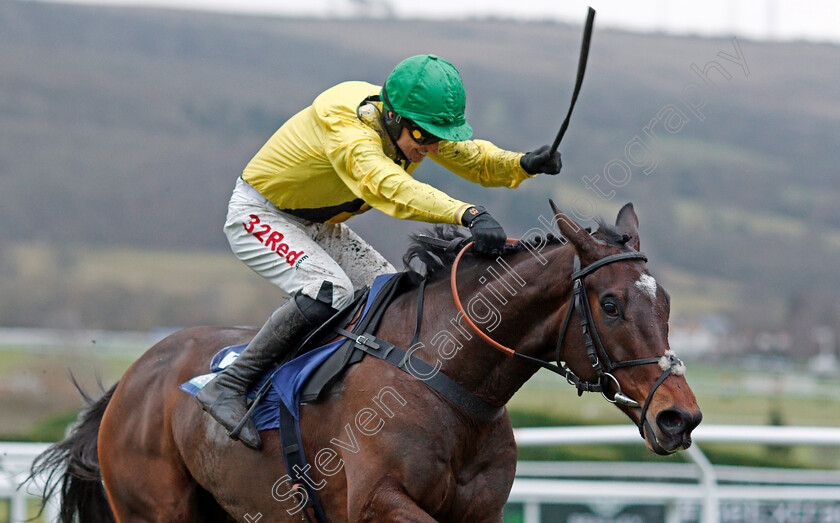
(628, 223)
(571, 230)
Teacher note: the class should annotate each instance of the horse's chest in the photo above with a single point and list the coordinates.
(480, 477)
(480, 495)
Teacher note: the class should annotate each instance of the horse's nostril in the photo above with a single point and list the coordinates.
(673, 422)
(677, 421)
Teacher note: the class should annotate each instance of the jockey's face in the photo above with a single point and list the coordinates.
(413, 150)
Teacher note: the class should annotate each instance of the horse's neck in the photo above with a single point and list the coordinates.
(519, 303)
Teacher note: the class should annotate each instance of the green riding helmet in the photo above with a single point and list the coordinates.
(428, 90)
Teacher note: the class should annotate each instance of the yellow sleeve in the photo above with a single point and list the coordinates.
(355, 152)
(482, 162)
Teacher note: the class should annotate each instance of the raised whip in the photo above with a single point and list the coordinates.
(584, 55)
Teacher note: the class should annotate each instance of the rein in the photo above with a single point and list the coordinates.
(598, 356)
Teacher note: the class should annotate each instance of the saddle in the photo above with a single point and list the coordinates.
(360, 321)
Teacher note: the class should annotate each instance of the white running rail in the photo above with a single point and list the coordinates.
(536, 483)
(763, 484)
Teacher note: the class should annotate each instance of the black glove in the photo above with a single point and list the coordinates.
(488, 235)
(540, 161)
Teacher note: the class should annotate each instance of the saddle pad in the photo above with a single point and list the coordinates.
(288, 380)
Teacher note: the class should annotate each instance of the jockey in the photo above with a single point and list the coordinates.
(354, 148)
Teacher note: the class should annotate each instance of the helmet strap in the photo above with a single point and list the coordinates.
(392, 125)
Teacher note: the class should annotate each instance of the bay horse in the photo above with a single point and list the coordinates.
(383, 445)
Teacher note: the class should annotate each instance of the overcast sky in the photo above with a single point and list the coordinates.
(815, 20)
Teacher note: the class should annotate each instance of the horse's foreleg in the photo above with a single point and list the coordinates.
(388, 501)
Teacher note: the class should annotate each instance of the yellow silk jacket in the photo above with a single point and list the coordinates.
(330, 162)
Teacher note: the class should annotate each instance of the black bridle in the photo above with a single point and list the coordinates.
(599, 358)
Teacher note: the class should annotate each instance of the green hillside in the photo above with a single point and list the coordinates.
(126, 128)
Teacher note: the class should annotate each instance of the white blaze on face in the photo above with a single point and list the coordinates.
(647, 285)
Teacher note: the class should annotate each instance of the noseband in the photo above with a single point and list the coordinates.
(598, 357)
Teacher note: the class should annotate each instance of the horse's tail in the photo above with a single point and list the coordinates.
(71, 466)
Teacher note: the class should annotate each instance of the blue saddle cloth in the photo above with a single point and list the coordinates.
(288, 380)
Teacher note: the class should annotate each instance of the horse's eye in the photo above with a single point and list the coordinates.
(610, 307)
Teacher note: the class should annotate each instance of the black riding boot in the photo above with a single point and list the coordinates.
(224, 397)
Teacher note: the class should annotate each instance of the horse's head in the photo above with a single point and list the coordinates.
(625, 312)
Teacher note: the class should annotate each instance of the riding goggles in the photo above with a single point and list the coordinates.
(418, 134)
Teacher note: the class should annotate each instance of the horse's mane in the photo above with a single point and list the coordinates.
(611, 235)
(423, 260)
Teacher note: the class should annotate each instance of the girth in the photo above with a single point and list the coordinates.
(408, 363)
(430, 375)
